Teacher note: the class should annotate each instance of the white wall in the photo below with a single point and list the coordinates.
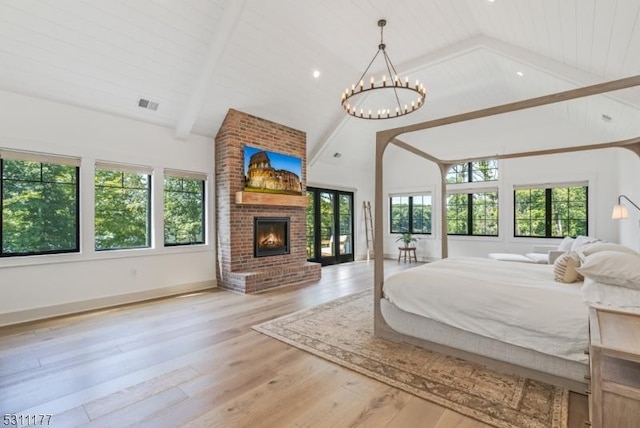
(407, 173)
(39, 286)
(629, 185)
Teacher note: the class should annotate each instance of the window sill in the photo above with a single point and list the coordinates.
(474, 238)
(47, 259)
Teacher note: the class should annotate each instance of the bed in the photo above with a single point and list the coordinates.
(507, 312)
(394, 323)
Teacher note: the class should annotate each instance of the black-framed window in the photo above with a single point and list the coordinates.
(410, 214)
(122, 208)
(473, 214)
(184, 212)
(40, 207)
(551, 211)
(472, 172)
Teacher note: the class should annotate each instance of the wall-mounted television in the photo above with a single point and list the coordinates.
(271, 172)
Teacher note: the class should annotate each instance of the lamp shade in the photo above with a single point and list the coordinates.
(619, 212)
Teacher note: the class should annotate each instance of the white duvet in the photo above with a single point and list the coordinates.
(517, 303)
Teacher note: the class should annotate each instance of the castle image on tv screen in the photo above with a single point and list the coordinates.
(271, 172)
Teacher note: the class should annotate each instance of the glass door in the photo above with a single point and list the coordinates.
(329, 226)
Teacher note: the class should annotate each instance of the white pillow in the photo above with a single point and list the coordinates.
(564, 268)
(613, 268)
(581, 241)
(596, 247)
(609, 295)
(539, 258)
(566, 244)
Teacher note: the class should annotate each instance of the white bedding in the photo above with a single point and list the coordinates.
(517, 303)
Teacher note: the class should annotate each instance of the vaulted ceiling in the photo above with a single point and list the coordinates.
(198, 58)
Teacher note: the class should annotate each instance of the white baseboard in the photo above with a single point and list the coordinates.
(28, 315)
(389, 256)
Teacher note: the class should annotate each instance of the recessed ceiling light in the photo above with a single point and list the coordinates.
(316, 74)
(491, 1)
(520, 73)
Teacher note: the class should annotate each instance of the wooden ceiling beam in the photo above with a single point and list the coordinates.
(599, 88)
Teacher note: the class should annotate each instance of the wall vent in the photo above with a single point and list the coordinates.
(149, 105)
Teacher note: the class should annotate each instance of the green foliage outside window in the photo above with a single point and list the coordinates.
(457, 214)
(310, 219)
(329, 224)
(399, 214)
(410, 214)
(183, 211)
(327, 220)
(122, 210)
(345, 208)
(472, 214)
(552, 212)
(472, 172)
(39, 208)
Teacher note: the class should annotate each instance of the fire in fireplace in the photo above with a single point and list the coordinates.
(270, 236)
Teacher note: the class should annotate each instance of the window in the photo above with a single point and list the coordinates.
(410, 214)
(471, 210)
(40, 204)
(184, 214)
(472, 172)
(472, 213)
(551, 211)
(122, 207)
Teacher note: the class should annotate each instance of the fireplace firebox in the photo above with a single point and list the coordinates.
(270, 236)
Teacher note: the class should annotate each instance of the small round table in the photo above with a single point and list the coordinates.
(407, 250)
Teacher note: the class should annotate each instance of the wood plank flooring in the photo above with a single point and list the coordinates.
(194, 361)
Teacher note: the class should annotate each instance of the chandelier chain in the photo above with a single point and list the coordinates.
(395, 73)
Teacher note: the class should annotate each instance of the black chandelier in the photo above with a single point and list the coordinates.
(389, 103)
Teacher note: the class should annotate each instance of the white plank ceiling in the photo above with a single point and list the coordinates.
(198, 58)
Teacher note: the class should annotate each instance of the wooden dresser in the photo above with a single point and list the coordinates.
(614, 352)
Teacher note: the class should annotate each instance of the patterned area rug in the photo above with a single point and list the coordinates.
(342, 331)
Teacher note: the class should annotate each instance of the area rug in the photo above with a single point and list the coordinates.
(341, 331)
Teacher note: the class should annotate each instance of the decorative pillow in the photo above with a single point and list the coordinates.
(596, 247)
(581, 241)
(566, 244)
(564, 268)
(613, 268)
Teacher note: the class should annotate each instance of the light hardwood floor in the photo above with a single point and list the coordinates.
(194, 361)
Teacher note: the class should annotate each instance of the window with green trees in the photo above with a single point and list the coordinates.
(410, 214)
(472, 214)
(40, 205)
(551, 211)
(122, 207)
(470, 210)
(184, 213)
(471, 172)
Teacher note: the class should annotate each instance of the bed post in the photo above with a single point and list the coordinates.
(444, 236)
(380, 327)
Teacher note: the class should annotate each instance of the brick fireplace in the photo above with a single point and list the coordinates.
(240, 267)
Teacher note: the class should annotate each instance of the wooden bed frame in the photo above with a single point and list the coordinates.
(386, 137)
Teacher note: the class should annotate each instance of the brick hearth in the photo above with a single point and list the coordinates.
(237, 269)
